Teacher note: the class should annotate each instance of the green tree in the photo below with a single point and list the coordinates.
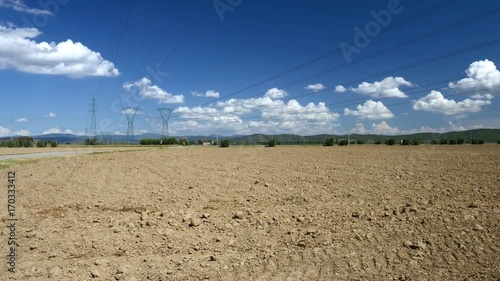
(91, 141)
(415, 141)
(443, 141)
(359, 141)
(53, 144)
(271, 142)
(452, 141)
(405, 142)
(225, 143)
(390, 142)
(378, 142)
(329, 142)
(434, 141)
(460, 141)
(27, 143)
(342, 142)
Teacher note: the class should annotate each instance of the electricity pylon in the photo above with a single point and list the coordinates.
(130, 112)
(165, 116)
(93, 123)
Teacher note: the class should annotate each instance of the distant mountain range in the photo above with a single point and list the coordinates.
(488, 135)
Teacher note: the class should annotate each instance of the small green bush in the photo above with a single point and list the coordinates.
(329, 142)
(498, 141)
(415, 142)
(443, 141)
(91, 141)
(225, 143)
(53, 144)
(27, 143)
(378, 142)
(405, 142)
(271, 142)
(360, 141)
(460, 141)
(477, 141)
(390, 142)
(452, 142)
(342, 142)
(434, 141)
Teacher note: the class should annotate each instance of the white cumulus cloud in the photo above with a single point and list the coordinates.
(21, 120)
(383, 128)
(20, 6)
(275, 93)
(315, 87)
(149, 91)
(387, 88)
(19, 51)
(207, 94)
(131, 111)
(56, 130)
(22, 133)
(340, 89)
(50, 115)
(370, 110)
(481, 75)
(436, 102)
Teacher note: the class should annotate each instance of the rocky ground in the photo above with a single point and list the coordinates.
(254, 213)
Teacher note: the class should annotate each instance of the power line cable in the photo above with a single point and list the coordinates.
(339, 50)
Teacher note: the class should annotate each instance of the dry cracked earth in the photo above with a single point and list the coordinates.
(254, 213)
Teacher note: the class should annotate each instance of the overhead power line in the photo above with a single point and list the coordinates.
(338, 50)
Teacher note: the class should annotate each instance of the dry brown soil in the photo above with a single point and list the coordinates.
(254, 213)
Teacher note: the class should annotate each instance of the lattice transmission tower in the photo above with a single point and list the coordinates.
(130, 113)
(165, 116)
(93, 123)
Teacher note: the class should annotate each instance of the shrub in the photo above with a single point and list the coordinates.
(434, 141)
(41, 143)
(378, 142)
(271, 142)
(27, 143)
(405, 142)
(169, 141)
(452, 142)
(443, 141)
(329, 142)
(477, 141)
(225, 143)
(53, 144)
(415, 142)
(460, 141)
(360, 141)
(91, 141)
(390, 142)
(183, 142)
(498, 141)
(342, 142)
(11, 143)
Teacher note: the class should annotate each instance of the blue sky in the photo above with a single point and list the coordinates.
(196, 56)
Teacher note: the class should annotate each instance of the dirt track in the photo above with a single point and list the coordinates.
(284, 213)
